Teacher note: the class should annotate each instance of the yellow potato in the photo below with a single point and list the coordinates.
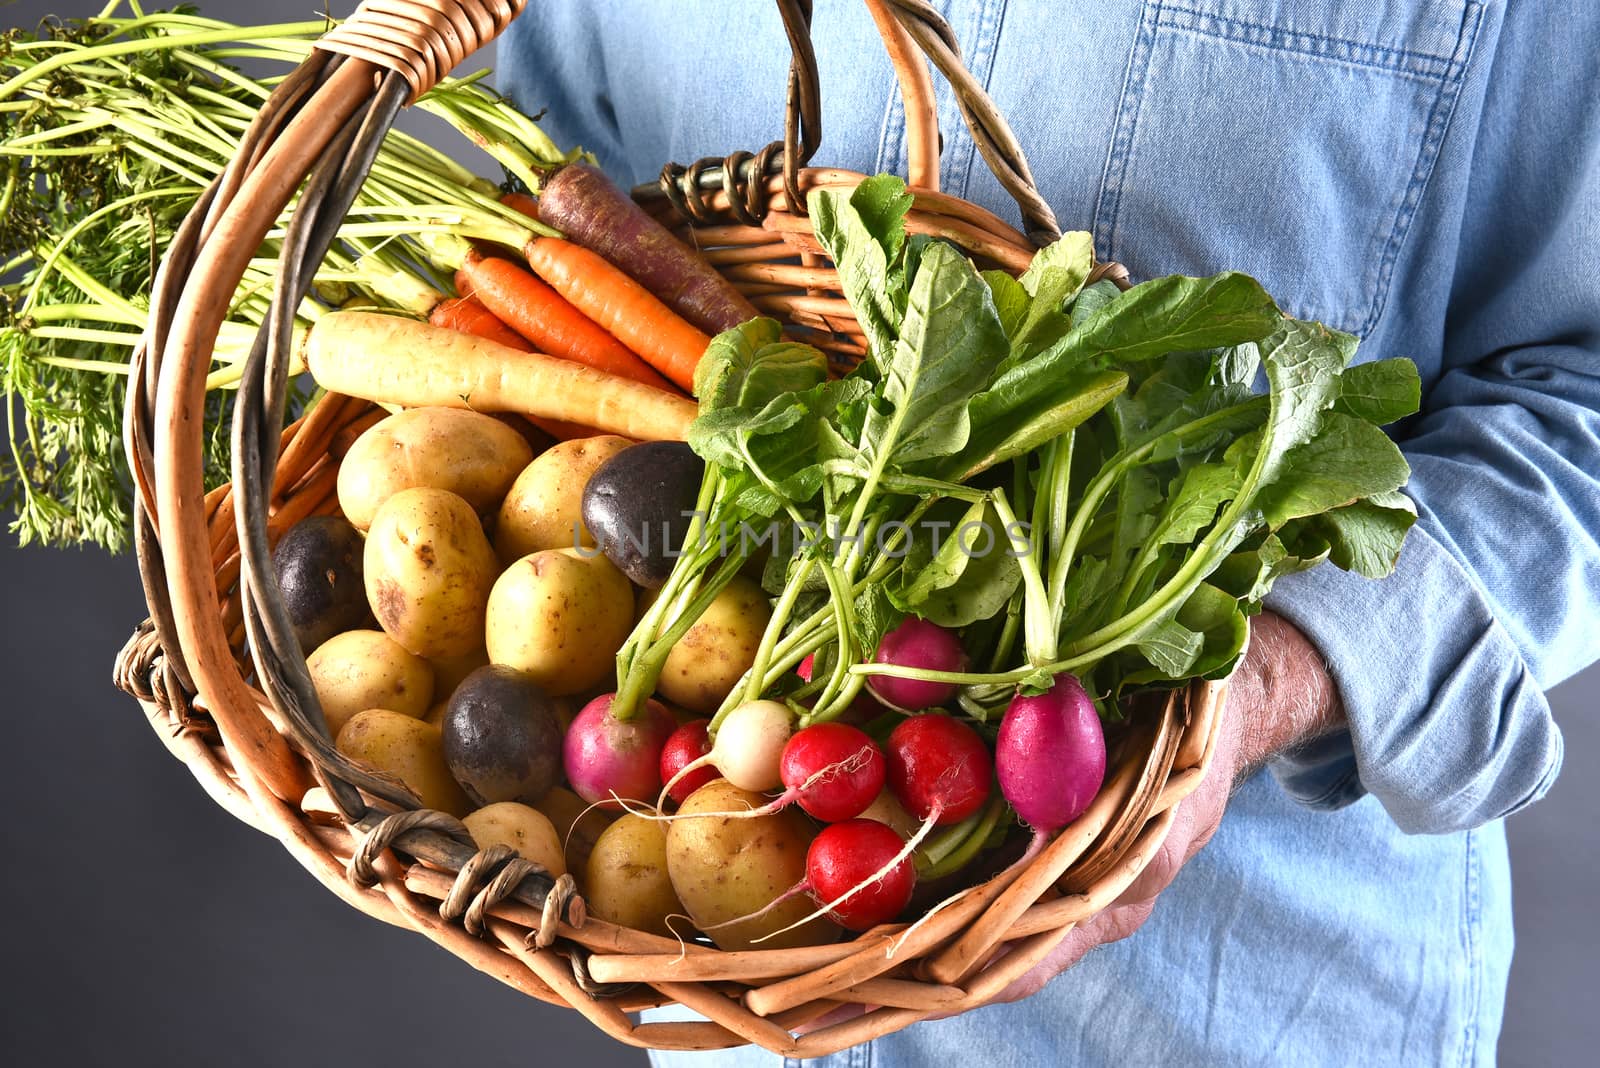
(527, 830)
(711, 656)
(428, 570)
(887, 809)
(448, 671)
(435, 714)
(560, 616)
(723, 868)
(626, 879)
(410, 750)
(578, 825)
(362, 669)
(472, 455)
(544, 507)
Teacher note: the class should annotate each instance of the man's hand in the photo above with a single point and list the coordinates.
(1280, 696)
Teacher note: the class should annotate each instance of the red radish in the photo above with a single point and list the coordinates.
(831, 770)
(1050, 757)
(916, 643)
(606, 758)
(939, 768)
(843, 867)
(858, 872)
(688, 743)
(864, 709)
(591, 210)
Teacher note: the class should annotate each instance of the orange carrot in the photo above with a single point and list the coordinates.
(463, 284)
(528, 205)
(621, 305)
(469, 316)
(541, 315)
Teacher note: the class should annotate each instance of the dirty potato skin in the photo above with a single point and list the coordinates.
(527, 830)
(625, 881)
(428, 569)
(723, 868)
(473, 455)
(318, 566)
(410, 750)
(502, 738)
(545, 503)
(362, 669)
(703, 667)
(578, 825)
(560, 616)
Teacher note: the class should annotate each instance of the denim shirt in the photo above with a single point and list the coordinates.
(1422, 173)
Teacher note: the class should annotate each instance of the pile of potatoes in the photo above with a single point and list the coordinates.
(456, 615)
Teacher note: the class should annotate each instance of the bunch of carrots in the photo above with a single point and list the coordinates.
(619, 294)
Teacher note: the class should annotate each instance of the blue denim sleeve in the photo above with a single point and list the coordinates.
(1442, 667)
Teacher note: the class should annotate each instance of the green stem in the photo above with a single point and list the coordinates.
(956, 851)
(1039, 632)
(1110, 473)
(121, 48)
(755, 687)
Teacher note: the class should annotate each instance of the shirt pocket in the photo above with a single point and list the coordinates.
(1290, 139)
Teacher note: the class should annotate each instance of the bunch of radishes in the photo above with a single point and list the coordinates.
(1049, 758)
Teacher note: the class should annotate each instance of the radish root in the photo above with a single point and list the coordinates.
(854, 762)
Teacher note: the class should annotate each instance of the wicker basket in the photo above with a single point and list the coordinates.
(224, 683)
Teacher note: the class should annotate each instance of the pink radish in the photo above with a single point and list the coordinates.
(687, 744)
(916, 643)
(607, 758)
(1050, 757)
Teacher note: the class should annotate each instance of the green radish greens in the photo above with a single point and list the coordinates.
(1076, 478)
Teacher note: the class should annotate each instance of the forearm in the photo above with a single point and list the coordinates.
(1280, 697)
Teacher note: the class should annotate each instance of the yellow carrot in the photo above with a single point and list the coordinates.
(394, 360)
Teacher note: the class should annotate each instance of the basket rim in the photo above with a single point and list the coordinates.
(406, 895)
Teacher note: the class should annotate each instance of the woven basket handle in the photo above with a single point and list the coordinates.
(325, 119)
(990, 131)
(913, 33)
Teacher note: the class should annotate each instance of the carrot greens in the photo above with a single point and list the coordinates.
(110, 129)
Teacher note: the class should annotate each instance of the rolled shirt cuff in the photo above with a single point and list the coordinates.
(1448, 728)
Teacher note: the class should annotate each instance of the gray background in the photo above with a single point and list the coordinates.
(145, 926)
